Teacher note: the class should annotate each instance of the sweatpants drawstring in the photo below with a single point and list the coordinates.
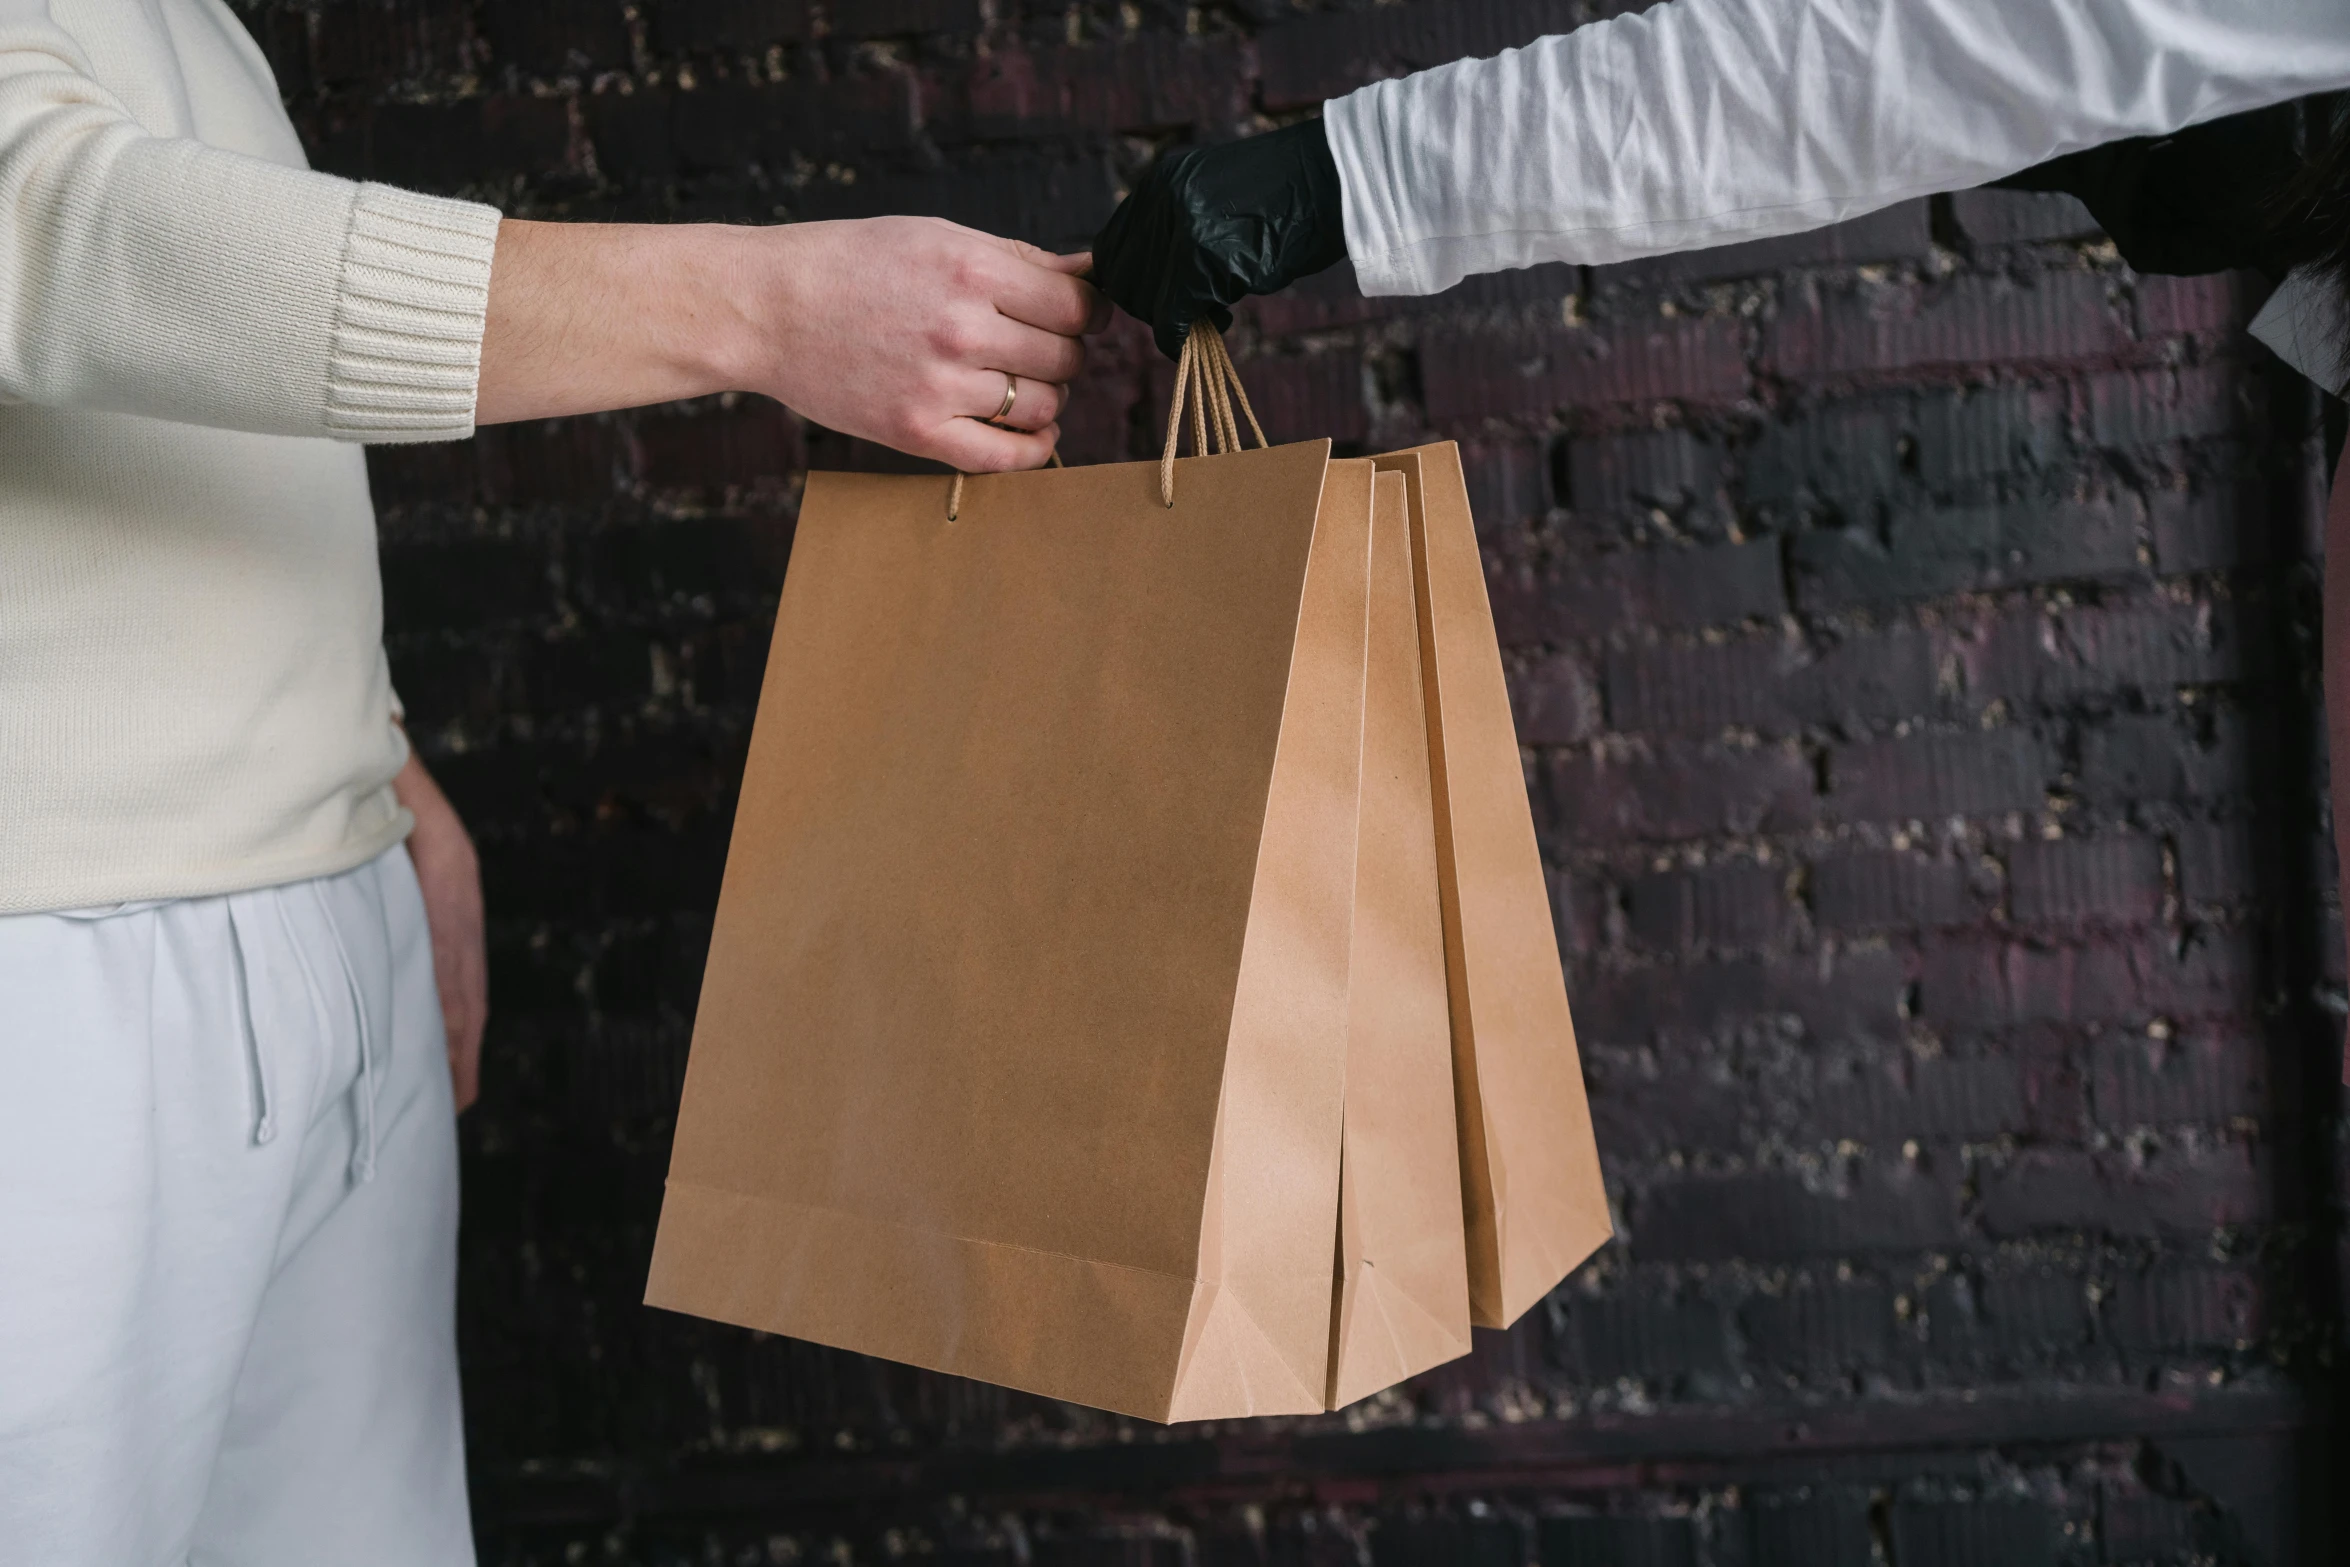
(264, 1119)
(363, 1157)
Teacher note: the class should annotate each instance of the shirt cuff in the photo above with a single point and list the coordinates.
(414, 293)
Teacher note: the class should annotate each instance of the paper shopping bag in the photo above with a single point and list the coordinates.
(1403, 1283)
(1021, 1049)
(1536, 1205)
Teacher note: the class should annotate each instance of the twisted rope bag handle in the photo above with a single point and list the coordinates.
(1207, 384)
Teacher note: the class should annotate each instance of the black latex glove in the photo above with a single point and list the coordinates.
(1209, 225)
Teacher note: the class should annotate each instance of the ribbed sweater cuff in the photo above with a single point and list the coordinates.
(405, 361)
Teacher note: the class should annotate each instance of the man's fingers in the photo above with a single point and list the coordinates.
(972, 447)
(1035, 403)
(1019, 349)
(1046, 298)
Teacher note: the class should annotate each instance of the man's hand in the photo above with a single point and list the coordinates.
(905, 331)
(450, 874)
(1209, 225)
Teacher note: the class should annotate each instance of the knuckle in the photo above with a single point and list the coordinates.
(956, 338)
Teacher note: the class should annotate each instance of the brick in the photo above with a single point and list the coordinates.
(656, 135)
(905, 18)
(2040, 657)
(1944, 1098)
(2018, 217)
(1729, 907)
(2061, 318)
(464, 583)
(578, 461)
(2185, 1194)
(2009, 1316)
(1925, 776)
(1328, 300)
(2224, 862)
(1774, 1217)
(1981, 981)
(1142, 84)
(1442, 1539)
(1667, 470)
(2170, 306)
(399, 40)
(1677, 792)
(284, 39)
(1690, 359)
(1770, 682)
(1640, 1115)
(2138, 1526)
(1839, 460)
(588, 670)
(1854, 991)
(1968, 550)
(675, 25)
(1554, 700)
(1820, 1528)
(2085, 881)
(1310, 58)
(2208, 1076)
(450, 146)
(1862, 893)
(710, 449)
(1579, 905)
(1509, 483)
(2213, 527)
(1589, 1540)
(2184, 1307)
(1098, 420)
(1601, 1338)
(1975, 434)
(1974, 1534)
(541, 42)
(2147, 760)
(685, 557)
(1151, 84)
(1047, 198)
(1821, 1329)
(2153, 407)
(1668, 588)
(1302, 397)
(1903, 232)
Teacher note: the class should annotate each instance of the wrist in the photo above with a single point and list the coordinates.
(723, 304)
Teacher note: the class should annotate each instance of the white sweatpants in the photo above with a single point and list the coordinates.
(228, 1222)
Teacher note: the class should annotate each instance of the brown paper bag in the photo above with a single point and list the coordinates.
(1403, 1297)
(1535, 1201)
(1021, 1047)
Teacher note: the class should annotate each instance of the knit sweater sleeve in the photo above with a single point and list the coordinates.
(156, 275)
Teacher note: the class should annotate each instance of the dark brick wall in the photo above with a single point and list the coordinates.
(1913, 627)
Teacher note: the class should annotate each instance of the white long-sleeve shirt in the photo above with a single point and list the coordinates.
(194, 328)
(1702, 122)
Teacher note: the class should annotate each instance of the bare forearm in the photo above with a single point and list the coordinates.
(589, 316)
(906, 331)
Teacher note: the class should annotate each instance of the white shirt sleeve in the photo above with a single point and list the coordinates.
(153, 274)
(1702, 122)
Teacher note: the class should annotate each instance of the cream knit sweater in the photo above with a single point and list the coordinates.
(195, 330)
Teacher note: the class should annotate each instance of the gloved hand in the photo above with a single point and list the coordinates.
(1209, 225)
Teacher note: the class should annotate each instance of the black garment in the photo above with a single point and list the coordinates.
(2202, 200)
(1210, 225)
